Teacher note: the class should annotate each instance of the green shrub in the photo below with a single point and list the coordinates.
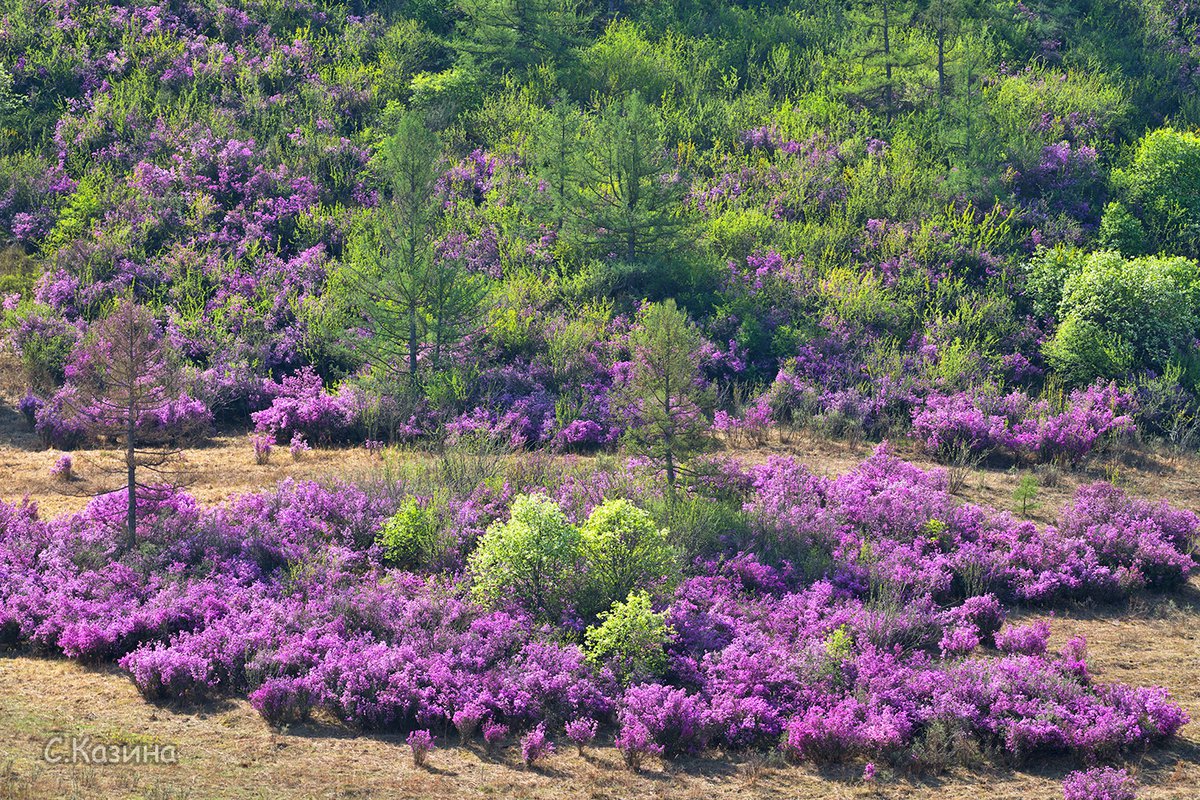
(631, 639)
(1082, 351)
(1048, 270)
(412, 537)
(701, 525)
(18, 272)
(43, 342)
(1163, 183)
(624, 551)
(533, 558)
(1117, 313)
(1122, 231)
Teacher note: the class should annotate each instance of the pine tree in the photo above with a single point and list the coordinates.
(884, 51)
(631, 188)
(126, 380)
(664, 397)
(414, 303)
(556, 154)
(502, 36)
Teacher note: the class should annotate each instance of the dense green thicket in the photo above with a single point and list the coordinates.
(462, 204)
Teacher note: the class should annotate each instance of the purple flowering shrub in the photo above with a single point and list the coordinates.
(1028, 640)
(262, 444)
(1099, 783)
(888, 522)
(536, 746)
(287, 597)
(494, 734)
(581, 732)
(301, 407)
(63, 469)
(420, 742)
(982, 423)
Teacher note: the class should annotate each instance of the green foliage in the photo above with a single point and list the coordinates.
(1026, 493)
(1163, 183)
(1122, 231)
(533, 558)
(1116, 313)
(663, 396)
(625, 60)
(700, 525)
(629, 194)
(624, 550)
(499, 36)
(416, 304)
(76, 217)
(1047, 273)
(18, 272)
(631, 639)
(412, 537)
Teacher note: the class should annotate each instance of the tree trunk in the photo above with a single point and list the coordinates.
(412, 344)
(130, 482)
(941, 61)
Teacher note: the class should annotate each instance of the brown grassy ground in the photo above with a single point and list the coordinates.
(227, 751)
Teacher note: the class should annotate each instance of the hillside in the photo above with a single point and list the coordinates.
(759, 398)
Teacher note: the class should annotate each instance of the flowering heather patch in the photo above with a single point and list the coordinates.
(535, 746)
(298, 446)
(284, 596)
(262, 444)
(494, 734)
(581, 732)
(300, 407)
(63, 469)
(980, 423)
(1100, 783)
(420, 742)
(1029, 640)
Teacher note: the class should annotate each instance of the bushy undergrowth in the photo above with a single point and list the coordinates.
(872, 230)
(872, 623)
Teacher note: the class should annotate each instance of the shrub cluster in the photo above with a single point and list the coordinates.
(873, 624)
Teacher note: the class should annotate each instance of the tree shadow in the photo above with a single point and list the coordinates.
(1141, 606)
(16, 432)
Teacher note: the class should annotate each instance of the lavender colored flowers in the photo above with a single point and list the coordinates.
(420, 742)
(1100, 783)
(536, 746)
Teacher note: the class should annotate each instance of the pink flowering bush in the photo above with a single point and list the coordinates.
(494, 734)
(982, 423)
(878, 635)
(750, 428)
(635, 743)
(1029, 640)
(581, 732)
(420, 742)
(63, 469)
(262, 444)
(1100, 783)
(536, 746)
(301, 407)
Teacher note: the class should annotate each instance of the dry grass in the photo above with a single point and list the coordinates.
(227, 751)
